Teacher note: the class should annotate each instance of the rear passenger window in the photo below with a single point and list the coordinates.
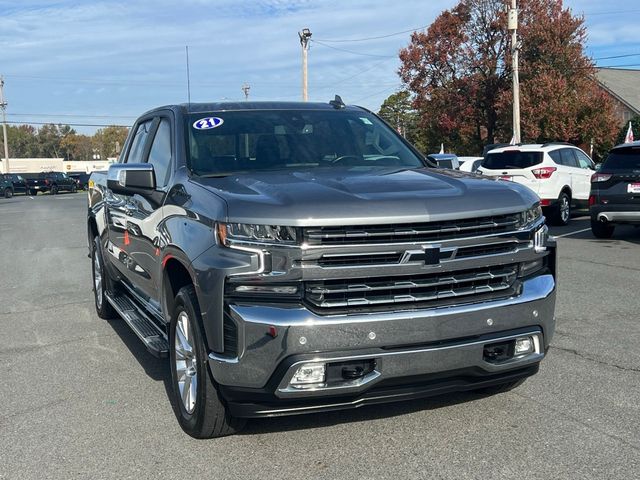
(160, 154)
(568, 157)
(555, 156)
(139, 140)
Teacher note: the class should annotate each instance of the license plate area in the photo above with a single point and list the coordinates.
(633, 188)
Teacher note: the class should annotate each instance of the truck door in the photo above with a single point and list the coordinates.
(133, 219)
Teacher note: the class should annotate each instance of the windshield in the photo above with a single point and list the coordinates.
(223, 143)
(510, 159)
(623, 159)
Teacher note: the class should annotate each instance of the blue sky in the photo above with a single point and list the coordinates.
(107, 61)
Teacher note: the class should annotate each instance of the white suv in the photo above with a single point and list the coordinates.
(559, 173)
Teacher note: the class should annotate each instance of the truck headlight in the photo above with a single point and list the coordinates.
(245, 232)
(530, 216)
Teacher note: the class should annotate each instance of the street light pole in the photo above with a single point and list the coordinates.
(304, 35)
(513, 28)
(3, 105)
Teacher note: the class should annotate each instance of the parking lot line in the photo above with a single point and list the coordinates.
(573, 233)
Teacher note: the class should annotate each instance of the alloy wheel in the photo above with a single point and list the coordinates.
(97, 279)
(185, 362)
(564, 209)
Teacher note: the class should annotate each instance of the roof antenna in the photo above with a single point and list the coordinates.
(337, 103)
(188, 80)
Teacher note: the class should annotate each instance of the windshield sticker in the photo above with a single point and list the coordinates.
(207, 123)
(366, 121)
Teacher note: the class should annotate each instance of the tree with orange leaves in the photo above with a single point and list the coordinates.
(459, 74)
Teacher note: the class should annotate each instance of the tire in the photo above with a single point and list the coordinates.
(33, 193)
(101, 285)
(202, 414)
(54, 190)
(602, 229)
(8, 193)
(562, 212)
(501, 388)
(74, 189)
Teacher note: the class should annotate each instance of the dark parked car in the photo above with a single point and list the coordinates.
(53, 182)
(6, 187)
(302, 257)
(615, 190)
(18, 181)
(81, 178)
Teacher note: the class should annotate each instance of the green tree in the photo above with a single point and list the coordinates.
(50, 138)
(78, 147)
(398, 111)
(459, 73)
(108, 141)
(22, 141)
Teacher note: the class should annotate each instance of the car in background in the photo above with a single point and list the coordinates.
(81, 178)
(52, 182)
(6, 187)
(445, 160)
(560, 173)
(18, 181)
(470, 164)
(615, 190)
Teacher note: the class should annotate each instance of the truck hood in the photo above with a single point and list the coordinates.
(377, 196)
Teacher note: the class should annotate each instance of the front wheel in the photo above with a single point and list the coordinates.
(54, 190)
(100, 282)
(74, 189)
(198, 406)
(602, 229)
(8, 193)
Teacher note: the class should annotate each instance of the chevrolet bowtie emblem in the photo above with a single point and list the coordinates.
(427, 255)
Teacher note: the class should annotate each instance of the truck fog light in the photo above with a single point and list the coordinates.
(529, 268)
(524, 345)
(308, 373)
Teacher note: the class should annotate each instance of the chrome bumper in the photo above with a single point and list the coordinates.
(386, 337)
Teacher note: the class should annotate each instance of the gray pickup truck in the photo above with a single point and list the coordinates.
(303, 257)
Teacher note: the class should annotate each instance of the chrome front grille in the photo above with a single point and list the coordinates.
(419, 232)
(461, 285)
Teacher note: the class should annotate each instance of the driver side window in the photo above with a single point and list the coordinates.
(137, 144)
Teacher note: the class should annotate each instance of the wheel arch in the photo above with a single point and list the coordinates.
(567, 189)
(175, 275)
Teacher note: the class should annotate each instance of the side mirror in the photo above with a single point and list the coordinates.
(597, 166)
(131, 178)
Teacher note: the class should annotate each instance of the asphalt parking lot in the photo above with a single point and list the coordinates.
(81, 397)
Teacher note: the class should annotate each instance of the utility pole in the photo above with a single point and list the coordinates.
(513, 28)
(3, 105)
(304, 35)
(245, 89)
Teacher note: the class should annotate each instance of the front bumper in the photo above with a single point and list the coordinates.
(409, 348)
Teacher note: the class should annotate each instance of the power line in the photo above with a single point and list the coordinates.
(611, 13)
(618, 56)
(73, 115)
(70, 124)
(352, 52)
(373, 38)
